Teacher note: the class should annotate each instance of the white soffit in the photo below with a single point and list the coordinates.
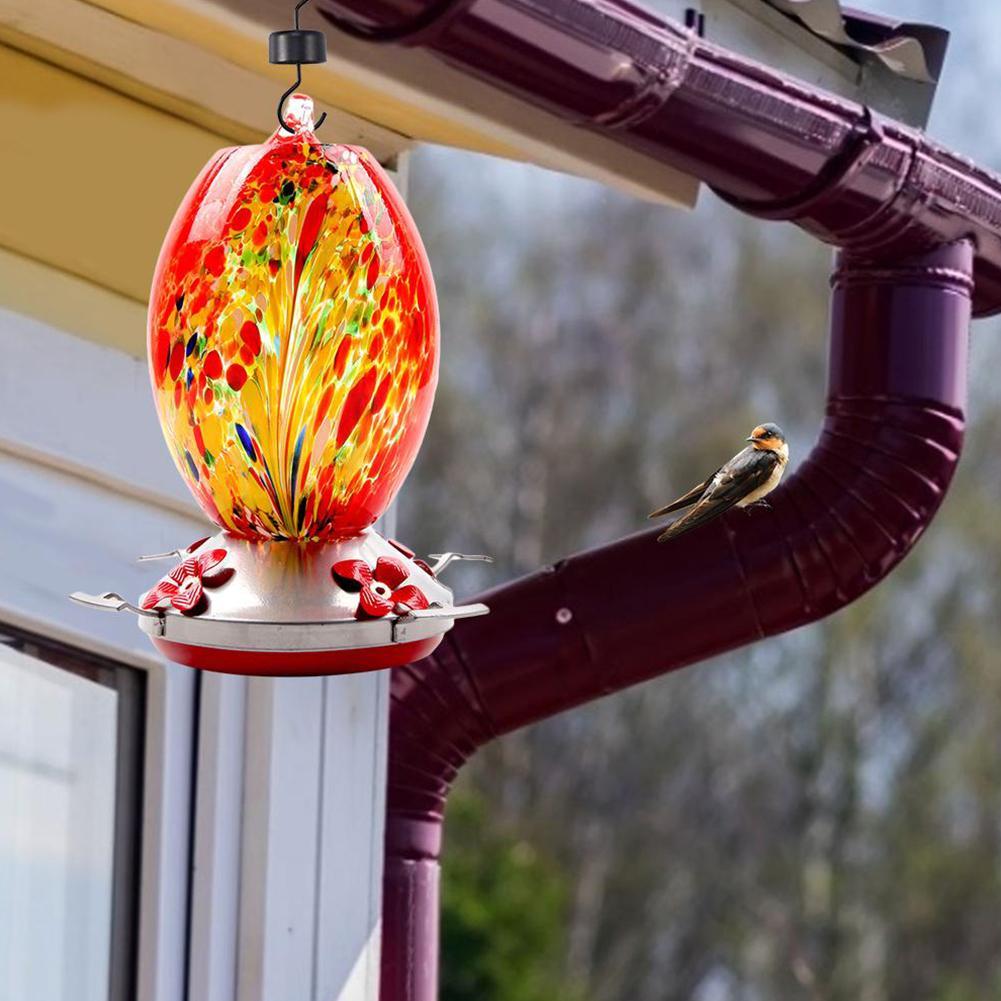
(186, 77)
(207, 62)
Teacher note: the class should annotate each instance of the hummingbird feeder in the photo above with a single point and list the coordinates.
(293, 353)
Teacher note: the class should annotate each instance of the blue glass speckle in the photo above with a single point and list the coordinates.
(248, 445)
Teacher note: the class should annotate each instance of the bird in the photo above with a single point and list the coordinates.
(752, 474)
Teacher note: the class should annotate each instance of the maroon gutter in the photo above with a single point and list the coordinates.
(918, 223)
(773, 146)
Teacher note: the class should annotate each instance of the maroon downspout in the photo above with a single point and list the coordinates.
(609, 618)
(917, 222)
(771, 145)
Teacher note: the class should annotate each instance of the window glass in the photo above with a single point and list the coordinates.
(59, 740)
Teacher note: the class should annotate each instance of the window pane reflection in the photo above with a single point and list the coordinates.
(57, 815)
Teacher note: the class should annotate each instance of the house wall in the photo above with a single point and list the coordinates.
(262, 799)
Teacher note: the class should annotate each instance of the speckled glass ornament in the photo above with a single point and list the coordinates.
(293, 337)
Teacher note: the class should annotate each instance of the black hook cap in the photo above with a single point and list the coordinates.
(295, 46)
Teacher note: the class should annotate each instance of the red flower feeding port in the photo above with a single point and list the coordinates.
(293, 351)
(184, 587)
(380, 591)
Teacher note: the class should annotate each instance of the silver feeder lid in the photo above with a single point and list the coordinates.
(291, 608)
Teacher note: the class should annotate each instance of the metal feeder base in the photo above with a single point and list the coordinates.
(276, 608)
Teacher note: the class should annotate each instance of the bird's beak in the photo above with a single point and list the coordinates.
(751, 438)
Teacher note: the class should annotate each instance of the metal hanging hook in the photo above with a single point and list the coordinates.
(296, 47)
(288, 93)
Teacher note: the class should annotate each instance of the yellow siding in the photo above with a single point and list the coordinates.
(91, 181)
(186, 78)
(72, 304)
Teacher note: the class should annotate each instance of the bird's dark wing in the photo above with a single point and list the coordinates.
(690, 498)
(744, 473)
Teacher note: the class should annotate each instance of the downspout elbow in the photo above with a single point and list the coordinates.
(890, 443)
(609, 618)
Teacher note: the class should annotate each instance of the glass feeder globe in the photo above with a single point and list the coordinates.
(293, 338)
(293, 351)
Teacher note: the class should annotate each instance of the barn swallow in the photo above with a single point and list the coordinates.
(747, 478)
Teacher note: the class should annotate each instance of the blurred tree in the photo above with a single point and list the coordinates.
(503, 913)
